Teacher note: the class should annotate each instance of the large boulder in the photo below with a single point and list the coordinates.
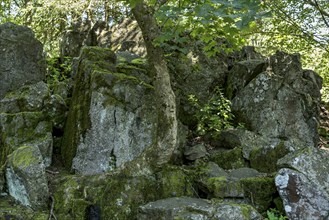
(303, 184)
(280, 102)
(22, 61)
(112, 117)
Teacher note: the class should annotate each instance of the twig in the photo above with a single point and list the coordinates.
(51, 214)
(52, 172)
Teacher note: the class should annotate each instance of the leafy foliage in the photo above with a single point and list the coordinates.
(274, 214)
(213, 116)
(219, 24)
(58, 70)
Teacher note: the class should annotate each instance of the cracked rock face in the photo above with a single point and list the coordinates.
(282, 101)
(112, 119)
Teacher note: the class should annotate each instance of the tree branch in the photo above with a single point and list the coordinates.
(323, 13)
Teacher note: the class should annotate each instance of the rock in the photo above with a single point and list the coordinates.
(213, 170)
(2, 182)
(195, 152)
(22, 61)
(25, 128)
(260, 192)
(175, 182)
(116, 196)
(228, 159)
(26, 179)
(127, 36)
(244, 172)
(11, 210)
(192, 208)
(125, 56)
(25, 99)
(303, 184)
(56, 109)
(112, 117)
(187, 71)
(23, 120)
(281, 102)
(242, 73)
(252, 188)
(83, 34)
(249, 148)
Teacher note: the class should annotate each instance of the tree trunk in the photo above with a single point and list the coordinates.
(166, 102)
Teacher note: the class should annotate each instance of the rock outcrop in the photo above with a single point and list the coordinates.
(22, 61)
(282, 101)
(109, 134)
(112, 119)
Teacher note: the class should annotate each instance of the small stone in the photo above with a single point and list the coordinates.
(196, 152)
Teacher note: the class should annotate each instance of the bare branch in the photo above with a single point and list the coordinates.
(323, 13)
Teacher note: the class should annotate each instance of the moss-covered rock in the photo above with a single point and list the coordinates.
(193, 208)
(229, 159)
(242, 73)
(176, 182)
(9, 209)
(265, 159)
(112, 115)
(26, 178)
(117, 196)
(260, 191)
(25, 128)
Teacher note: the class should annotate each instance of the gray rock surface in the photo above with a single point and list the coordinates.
(193, 209)
(24, 120)
(22, 61)
(26, 180)
(244, 172)
(195, 152)
(81, 34)
(303, 184)
(112, 119)
(281, 102)
(213, 170)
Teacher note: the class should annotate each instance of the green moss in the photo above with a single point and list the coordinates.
(279, 204)
(23, 157)
(231, 159)
(175, 181)
(78, 116)
(264, 160)
(69, 199)
(117, 195)
(11, 210)
(98, 54)
(217, 186)
(260, 191)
